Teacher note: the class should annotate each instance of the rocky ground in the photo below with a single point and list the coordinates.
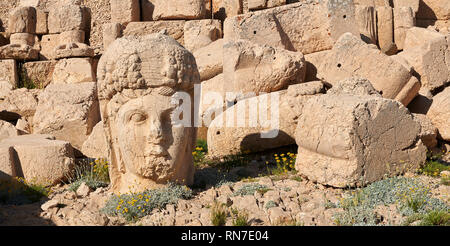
(282, 199)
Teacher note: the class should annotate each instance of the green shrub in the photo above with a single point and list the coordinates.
(409, 194)
(200, 152)
(137, 205)
(240, 218)
(436, 218)
(282, 164)
(250, 189)
(271, 204)
(94, 173)
(18, 191)
(433, 168)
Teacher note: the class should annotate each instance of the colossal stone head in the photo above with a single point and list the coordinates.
(138, 78)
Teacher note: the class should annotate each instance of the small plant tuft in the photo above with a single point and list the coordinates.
(134, 206)
(219, 214)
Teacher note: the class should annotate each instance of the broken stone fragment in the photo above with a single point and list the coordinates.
(285, 26)
(22, 20)
(254, 68)
(356, 140)
(348, 58)
(39, 158)
(67, 111)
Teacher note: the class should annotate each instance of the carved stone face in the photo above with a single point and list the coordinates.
(137, 78)
(151, 146)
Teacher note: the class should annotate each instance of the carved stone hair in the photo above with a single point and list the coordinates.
(142, 65)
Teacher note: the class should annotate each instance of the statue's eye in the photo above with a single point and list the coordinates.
(138, 117)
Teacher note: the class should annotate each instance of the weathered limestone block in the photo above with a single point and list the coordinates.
(73, 50)
(434, 10)
(179, 10)
(74, 36)
(24, 39)
(62, 18)
(19, 52)
(147, 149)
(8, 73)
(439, 113)
(414, 4)
(313, 62)
(425, 51)
(111, 32)
(41, 22)
(8, 130)
(263, 4)
(385, 28)
(20, 101)
(40, 159)
(356, 140)
(5, 89)
(223, 9)
(74, 70)
(239, 128)
(286, 26)
(429, 132)
(175, 29)
(67, 111)
(210, 60)
(212, 99)
(22, 20)
(96, 146)
(404, 19)
(125, 11)
(7, 168)
(254, 68)
(200, 33)
(366, 19)
(48, 44)
(348, 58)
(39, 72)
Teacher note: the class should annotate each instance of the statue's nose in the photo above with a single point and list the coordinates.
(156, 132)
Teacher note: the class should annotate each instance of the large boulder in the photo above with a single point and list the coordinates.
(38, 158)
(21, 102)
(68, 111)
(68, 17)
(21, 52)
(210, 60)
(173, 28)
(8, 130)
(96, 145)
(179, 10)
(434, 10)
(260, 123)
(309, 26)
(125, 11)
(439, 113)
(348, 58)
(348, 140)
(74, 70)
(425, 50)
(254, 68)
(200, 33)
(8, 73)
(22, 20)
